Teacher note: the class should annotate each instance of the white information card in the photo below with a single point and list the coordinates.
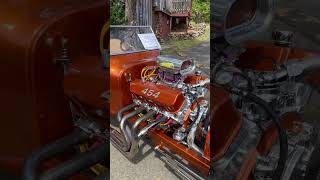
(149, 41)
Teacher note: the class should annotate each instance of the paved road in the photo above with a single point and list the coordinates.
(201, 55)
(149, 167)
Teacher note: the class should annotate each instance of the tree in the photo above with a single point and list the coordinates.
(130, 11)
(201, 11)
(117, 13)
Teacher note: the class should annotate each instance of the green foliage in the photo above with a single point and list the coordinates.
(117, 12)
(201, 11)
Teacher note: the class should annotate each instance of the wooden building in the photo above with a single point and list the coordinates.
(164, 16)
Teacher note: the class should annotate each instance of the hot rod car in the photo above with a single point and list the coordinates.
(161, 97)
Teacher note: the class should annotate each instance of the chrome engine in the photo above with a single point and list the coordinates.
(169, 97)
(284, 90)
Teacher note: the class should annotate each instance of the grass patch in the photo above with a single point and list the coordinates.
(179, 47)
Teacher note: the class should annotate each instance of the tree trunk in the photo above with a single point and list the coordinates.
(198, 17)
(130, 11)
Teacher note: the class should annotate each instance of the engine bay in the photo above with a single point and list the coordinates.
(73, 85)
(270, 85)
(281, 89)
(168, 99)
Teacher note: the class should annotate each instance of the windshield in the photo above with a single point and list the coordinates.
(130, 39)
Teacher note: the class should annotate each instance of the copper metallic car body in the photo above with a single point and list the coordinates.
(34, 107)
(226, 125)
(121, 66)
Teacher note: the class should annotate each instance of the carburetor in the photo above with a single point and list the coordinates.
(173, 70)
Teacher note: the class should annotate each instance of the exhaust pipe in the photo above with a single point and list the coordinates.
(134, 140)
(77, 164)
(57, 147)
(192, 133)
(125, 109)
(128, 141)
(151, 125)
(139, 121)
(125, 129)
